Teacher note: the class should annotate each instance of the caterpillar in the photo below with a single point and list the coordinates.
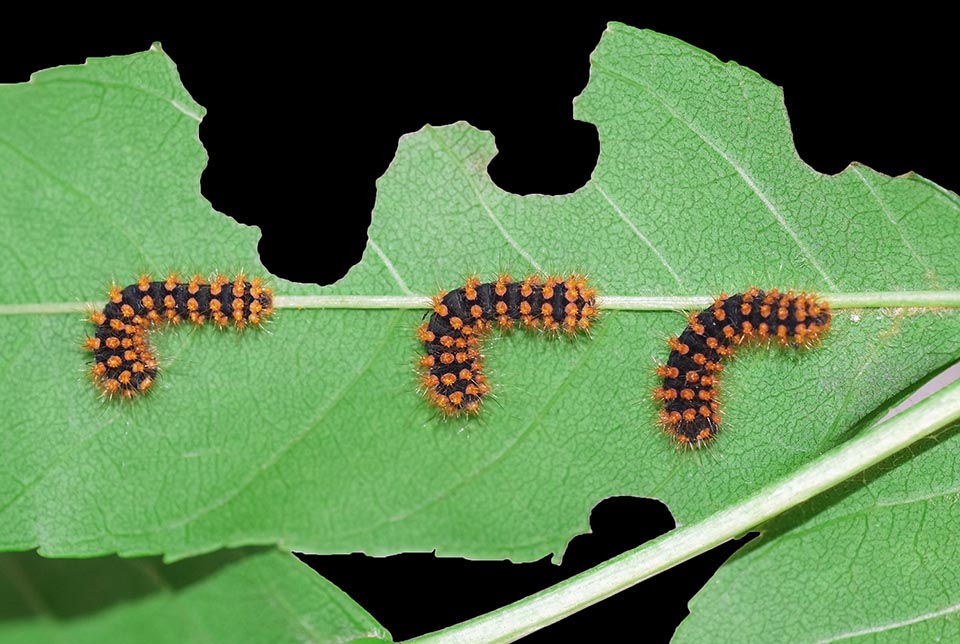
(689, 393)
(452, 375)
(124, 362)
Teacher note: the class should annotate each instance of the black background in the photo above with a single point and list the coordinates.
(304, 114)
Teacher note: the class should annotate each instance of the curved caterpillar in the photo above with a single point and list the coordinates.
(124, 362)
(690, 377)
(452, 375)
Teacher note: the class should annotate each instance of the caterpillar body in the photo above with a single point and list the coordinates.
(452, 375)
(689, 392)
(124, 362)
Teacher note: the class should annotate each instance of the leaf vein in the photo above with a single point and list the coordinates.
(493, 217)
(747, 179)
(69, 187)
(639, 234)
(274, 458)
(886, 211)
(390, 267)
(943, 612)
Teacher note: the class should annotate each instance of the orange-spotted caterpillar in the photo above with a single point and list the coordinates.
(125, 364)
(690, 377)
(452, 375)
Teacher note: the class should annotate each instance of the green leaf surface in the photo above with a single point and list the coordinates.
(873, 560)
(251, 595)
(698, 189)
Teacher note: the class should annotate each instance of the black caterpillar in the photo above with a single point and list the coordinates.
(452, 370)
(690, 376)
(125, 363)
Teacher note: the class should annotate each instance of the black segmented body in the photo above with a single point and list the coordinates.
(453, 375)
(124, 362)
(690, 376)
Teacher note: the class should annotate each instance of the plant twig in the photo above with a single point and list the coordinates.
(532, 613)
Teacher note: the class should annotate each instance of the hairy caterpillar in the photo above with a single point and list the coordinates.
(689, 392)
(452, 375)
(124, 362)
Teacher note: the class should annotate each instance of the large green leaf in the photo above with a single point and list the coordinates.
(697, 189)
(873, 560)
(231, 596)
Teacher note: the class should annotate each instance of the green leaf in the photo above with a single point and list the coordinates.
(251, 595)
(697, 189)
(873, 560)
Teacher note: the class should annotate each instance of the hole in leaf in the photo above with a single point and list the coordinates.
(412, 594)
